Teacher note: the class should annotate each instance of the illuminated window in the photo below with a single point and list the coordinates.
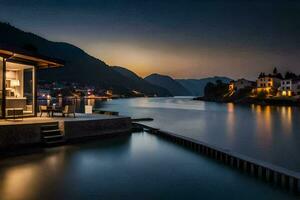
(19, 84)
(283, 93)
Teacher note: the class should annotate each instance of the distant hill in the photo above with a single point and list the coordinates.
(168, 83)
(79, 66)
(140, 83)
(196, 86)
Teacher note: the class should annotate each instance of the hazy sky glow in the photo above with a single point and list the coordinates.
(184, 39)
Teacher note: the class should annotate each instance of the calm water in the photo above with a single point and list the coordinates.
(139, 166)
(266, 133)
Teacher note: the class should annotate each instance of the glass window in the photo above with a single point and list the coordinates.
(1, 84)
(19, 90)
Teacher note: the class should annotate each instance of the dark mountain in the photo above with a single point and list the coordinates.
(127, 73)
(168, 83)
(79, 66)
(140, 83)
(196, 86)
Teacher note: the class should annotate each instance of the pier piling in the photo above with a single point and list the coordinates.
(281, 177)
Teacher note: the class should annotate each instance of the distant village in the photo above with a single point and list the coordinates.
(269, 88)
(270, 85)
(49, 90)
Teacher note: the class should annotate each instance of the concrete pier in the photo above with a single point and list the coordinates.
(283, 178)
(27, 132)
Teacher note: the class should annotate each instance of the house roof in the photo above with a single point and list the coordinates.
(262, 75)
(15, 54)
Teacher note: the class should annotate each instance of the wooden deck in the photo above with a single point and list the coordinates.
(44, 119)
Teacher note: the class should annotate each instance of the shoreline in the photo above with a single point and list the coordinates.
(253, 100)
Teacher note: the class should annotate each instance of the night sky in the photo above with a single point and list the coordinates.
(184, 39)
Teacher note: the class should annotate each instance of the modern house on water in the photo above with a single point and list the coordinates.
(18, 81)
(18, 99)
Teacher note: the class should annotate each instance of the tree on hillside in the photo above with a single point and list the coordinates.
(279, 75)
(219, 82)
(261, 75)
(290, 75)
(30, 47)
(217, 90)
(208, 89)
(275, 71)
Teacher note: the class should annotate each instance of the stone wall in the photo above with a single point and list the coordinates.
(16, 135)
(79, 129)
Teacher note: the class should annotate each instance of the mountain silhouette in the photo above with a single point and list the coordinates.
(79, 67)
(140, 83)
(196, 86)
(168, 83)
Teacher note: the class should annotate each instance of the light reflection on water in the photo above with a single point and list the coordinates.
(139, 166)
(263, 132)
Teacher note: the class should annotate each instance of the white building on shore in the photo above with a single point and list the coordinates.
(289, 87)
(241, 84)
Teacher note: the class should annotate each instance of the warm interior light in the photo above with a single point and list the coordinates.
(14, 83)
(283, 93)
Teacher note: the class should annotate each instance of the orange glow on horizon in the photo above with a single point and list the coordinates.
(145, 59)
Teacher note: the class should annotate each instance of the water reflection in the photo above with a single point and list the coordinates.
(264, 126)
(15, 182)
(24, 178)
(230, 121)
(140, 166)
(263, 132)
(286, 119)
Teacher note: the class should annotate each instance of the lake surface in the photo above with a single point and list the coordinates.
(266, 133)
(136, 166)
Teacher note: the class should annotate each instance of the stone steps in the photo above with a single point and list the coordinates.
(51, 135)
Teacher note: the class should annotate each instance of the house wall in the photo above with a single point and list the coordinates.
(242, 83)
(289, 88)
(268, 82)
